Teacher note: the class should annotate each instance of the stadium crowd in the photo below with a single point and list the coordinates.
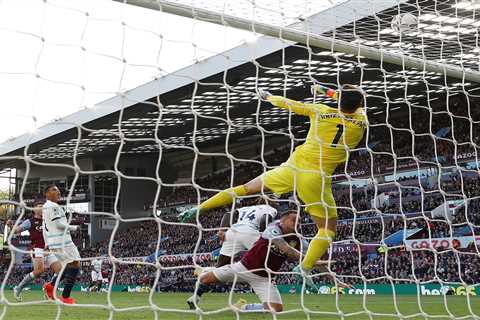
(177, 240)
(436, 155)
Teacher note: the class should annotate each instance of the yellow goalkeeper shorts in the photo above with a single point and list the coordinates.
(313, 188)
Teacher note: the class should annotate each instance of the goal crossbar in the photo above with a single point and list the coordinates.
(305, 37)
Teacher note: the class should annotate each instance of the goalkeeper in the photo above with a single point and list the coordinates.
(309, 169)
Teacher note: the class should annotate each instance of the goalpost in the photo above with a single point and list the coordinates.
(305, 34)
(408, 197)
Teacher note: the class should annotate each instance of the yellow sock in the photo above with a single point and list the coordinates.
(223, 198)
(317, 248)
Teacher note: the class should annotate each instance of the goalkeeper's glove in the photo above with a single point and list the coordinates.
(318, 89)
(264, 94)
(187, 215)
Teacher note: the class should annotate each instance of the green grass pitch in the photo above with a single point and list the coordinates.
(348, 304)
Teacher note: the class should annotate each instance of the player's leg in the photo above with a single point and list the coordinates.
(71, 272)
(279, 180)
(38, 265)
(206, 279)
(321, 206)
(38, 269)
(99, 285)
(223, 260)
(55, 266)
(266, 291)
(209, 278)
(93, 276)
(204, 288)
(70, 257)
(229, 248)
(224, 198)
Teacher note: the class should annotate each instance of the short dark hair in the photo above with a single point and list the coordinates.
(47, 188)
(351, 98)
(39, 201)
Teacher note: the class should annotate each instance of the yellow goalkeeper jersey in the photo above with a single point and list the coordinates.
(330, 132)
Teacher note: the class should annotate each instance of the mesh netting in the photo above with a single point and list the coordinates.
(407, 197)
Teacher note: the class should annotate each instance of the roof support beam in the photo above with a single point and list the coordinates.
(312, 37)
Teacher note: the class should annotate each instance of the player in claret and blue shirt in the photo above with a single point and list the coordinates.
(40, 258)
(259, 265)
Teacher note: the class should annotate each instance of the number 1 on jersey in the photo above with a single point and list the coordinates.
(337, 136)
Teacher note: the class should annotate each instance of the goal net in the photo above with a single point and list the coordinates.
(184, 117)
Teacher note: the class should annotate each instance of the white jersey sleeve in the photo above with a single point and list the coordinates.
(54, 222)
(251, 216)
(272, 231)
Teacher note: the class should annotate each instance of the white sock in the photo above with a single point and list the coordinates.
(253, 306)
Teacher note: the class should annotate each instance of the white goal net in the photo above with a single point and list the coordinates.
(184, 116)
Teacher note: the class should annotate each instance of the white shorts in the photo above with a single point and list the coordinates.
(265, 289)
(238, 239)
(48, 258)
(67, 254)
(96, 276)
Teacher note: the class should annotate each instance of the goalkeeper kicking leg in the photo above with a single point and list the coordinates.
(279, 180)
(316, 193)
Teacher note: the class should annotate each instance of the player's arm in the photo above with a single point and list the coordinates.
(318, 89)
(291, 253)
(25, 225)
(56, 220)
(227, 218)
(225, 223)
(62, 226)
(274, 235)
(285, 103)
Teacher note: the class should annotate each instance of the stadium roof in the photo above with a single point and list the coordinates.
(203, 103)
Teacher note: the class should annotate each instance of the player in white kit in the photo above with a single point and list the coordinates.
(250, 222)
(57, 237)
(97, 278)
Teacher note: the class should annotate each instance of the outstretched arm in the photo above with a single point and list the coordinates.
(318, 89)
(285, 103)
